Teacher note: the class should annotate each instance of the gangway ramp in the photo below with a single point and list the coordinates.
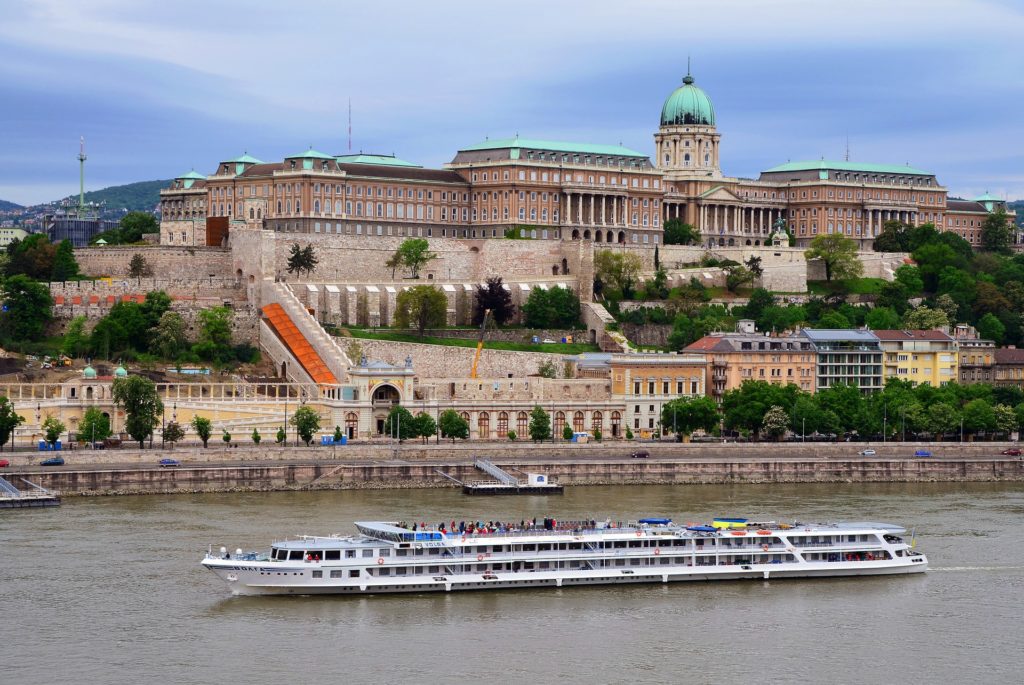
(496, 472)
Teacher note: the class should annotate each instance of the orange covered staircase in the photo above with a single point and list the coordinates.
(292, 338)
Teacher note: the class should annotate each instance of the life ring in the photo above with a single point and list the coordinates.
(479, 557)
(765, 547)
(380, 561)
(657, 551)
(639, 533)
(739, 532)
(764, 532)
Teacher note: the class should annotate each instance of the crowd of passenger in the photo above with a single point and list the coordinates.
(499, 527)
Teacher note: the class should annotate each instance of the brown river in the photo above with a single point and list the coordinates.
(109, 590)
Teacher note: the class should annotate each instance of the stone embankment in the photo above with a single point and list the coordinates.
(380, 466)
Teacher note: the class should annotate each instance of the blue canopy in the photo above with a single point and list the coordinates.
(656, 522)
(725, 520)
(703, 529)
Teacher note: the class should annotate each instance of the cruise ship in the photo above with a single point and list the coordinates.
(389, 557)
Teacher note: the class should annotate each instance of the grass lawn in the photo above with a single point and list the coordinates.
(558, 348)
(853, 286)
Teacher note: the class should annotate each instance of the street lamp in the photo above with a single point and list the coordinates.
(961, 429)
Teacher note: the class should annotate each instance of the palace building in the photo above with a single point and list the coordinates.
(548, 190)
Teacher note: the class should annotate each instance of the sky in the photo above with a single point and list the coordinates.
(160, 88)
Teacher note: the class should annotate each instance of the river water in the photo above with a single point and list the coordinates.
(109, 590)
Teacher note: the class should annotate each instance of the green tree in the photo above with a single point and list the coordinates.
(141, 403)
(744, 407)
(94, 426)
(618, 269)
(547, 369)
(413, 254)
(554, 308)
(52, 428)
(393, 262)
(65, 268)
(1005, 418)
(203, 428)
(452, 425)
(567, 432)
(9, 420)
(991, 328)
(941, 418)
(493, 295)
(845, 403)
(338, 435)
(775, 422)
(225, 436)
(996, 232)
(839, 255)
(138, 267)
(676, 232)
(978, 416)
(924, 318)
(302, 260)
(511, 435)
(685, 415)
(256, 437)
(540, 424)
(597, 435)
(75, 342)
(306, 422)
(910, 278)
(133, 226)
(882, 319)
(400, 424)
(736, 277)
(280, 436)
(214, 342)
(807, 417)
(425, 426)
(27, 309)
(832, 320)
(421, 307)
(173, 433)
(32, 257)
(167, 338)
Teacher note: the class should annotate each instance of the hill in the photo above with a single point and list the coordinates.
(1018, 206)
(6, 206)
(142, 196)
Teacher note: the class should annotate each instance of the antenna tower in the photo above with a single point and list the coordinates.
(350, 125)
(81, 177)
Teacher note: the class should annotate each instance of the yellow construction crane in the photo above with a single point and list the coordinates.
(480, 343)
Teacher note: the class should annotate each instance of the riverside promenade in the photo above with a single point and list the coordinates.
(414, 465)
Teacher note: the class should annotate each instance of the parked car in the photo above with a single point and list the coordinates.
(4, 463)
(640, 454)
(1012, 452)
(922, 453)
(169, 462)
(52, 461)
(867, 453)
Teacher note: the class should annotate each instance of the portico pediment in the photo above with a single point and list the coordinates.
(718, 194)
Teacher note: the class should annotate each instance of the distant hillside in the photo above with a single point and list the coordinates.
(142, 196)
(6, 206)
(1018, 206)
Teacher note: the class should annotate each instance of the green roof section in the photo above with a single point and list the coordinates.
(192, 175)
(379, 160)
(862, 167)
(310, 154)
(246, 158)
(688, 105)
(518, 143)
(987, 198)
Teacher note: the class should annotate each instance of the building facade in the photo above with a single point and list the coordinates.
(540, 189)
(924, 357)
(737, 357)
(847, 356)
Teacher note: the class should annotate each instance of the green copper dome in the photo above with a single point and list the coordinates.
(688, 105)
(120, 372)
(88, 372)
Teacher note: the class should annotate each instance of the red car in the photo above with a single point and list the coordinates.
(4, 463)
(1012, 452)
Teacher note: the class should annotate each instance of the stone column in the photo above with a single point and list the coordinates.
(592, 197)
(568, 207)
(604, 201)
(579, 211)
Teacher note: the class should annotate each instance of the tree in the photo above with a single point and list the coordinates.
(141, 403)
(203, 428)
(844, 401)
(991, 328)
(302, 260)
(996, 232)
(618, 269)
(214, 342)
(511, 435)
(280, 436)
(413, 254)
(27, 309)
(393, 262)
(736, 277)
(9, 420)
(167, 338)
(452, 425)
(882, 319)
(567, 432)
(978, 416)
(775, 422)
(338, 435)
(65, 267)
(540, 424)
(173, 432)
(94, 426)
(306, 422)
(256, 437)
(910, 278)
(76, 342)
(924, 318)
(52, 428)
(1005, 418)
(753, 263)
(138, 267)
(547, 369)
(685, 415)
(554, 308)
(225, 436)
(400, 424)
(133, 226)
(948, 305)
(808, 417)
(493, 295)
(676, 232)
(421, 307)
(425, 426)
(838, 253)
(940, 418)
(598, 436)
